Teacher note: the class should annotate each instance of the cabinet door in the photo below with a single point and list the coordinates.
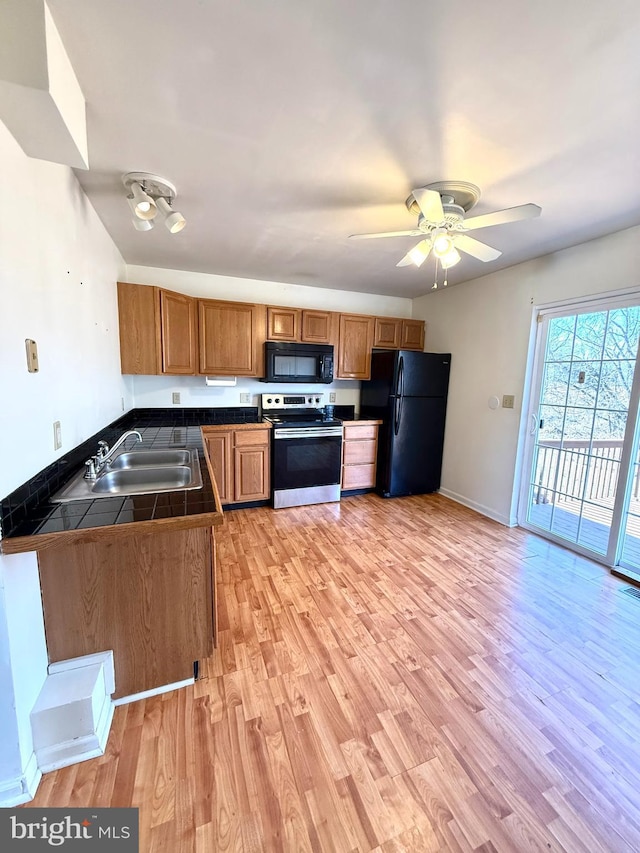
(354, 348)
(283, 324)
(139, 321)
(251, 473)
(387, 333)
(319, 327)
(412, 335)
(232, 338)
(219, 449)
(178, 332)
(147, 597)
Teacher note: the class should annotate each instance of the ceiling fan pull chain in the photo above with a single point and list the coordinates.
(435, 283)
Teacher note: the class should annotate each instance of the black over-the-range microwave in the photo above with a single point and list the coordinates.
(298, 362)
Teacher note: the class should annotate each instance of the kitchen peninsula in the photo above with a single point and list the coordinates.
(135, 574)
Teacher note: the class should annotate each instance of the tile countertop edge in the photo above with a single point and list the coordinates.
(42, 541)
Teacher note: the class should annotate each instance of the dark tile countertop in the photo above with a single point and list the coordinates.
(28, 511)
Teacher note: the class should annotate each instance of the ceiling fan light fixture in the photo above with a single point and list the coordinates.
(442, 244)
(174, 220)
(451, 258)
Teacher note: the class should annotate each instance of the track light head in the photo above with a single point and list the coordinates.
(174, 220)
(142, 224)
(144, 206)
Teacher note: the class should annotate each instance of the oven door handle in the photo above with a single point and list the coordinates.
(310, 432)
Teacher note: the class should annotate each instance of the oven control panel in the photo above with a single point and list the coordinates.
(295, 402)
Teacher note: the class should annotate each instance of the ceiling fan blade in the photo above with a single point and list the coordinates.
(418, 255)
(414, 233)
(501, 217)
(475, 248)
(430, 204)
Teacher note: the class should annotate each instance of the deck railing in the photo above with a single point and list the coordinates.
(579, 469)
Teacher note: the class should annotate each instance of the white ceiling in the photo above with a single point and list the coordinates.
(288, 125)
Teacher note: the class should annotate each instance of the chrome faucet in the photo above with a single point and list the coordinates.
(104, 455)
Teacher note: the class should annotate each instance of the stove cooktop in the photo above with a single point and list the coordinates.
(300, 419)
(297, 410)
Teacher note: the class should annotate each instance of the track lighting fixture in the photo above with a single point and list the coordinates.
(148, 194)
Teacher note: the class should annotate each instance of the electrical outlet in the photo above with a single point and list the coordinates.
(175, 398)
(508, 401)
(122, 403)
(245, 398)
(332, 396)
(57, 435)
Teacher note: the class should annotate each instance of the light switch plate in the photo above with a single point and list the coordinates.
(175, 397)
(57, 435)
(508, 401)
(32, 355)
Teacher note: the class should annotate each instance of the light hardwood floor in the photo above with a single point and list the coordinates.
(400, 675)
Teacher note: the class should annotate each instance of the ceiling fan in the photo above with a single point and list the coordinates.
(441, 209)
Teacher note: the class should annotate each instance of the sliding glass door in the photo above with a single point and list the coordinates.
(582, 488)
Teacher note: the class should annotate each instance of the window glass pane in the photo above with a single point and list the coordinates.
(583, 383)
(577, 425)
(623, 330)
(555, 383)
(589, 336)
(560, 338)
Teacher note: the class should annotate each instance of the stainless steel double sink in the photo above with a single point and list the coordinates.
(137, 472)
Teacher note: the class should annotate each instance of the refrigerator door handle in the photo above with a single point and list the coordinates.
(400, 396)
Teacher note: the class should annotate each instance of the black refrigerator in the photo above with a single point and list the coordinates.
(408, 391)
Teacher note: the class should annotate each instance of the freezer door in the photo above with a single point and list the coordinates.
(422, 374)
(412, 454)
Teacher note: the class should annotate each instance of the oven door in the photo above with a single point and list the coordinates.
(306, 465)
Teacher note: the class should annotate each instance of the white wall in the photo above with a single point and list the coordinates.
(486, 325)
(58, 268)
(157, 390)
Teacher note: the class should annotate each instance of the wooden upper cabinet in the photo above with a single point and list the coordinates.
(178, 333)
(283, 324)
(354, 347)
(139, 319)
(386, 333)
(319, 327)
(302, 324)
(158, 330)
(412, 335)
(232, 336)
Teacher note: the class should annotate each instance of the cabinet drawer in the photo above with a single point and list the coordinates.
(252, 437)
(352, 431)
(358, 476)
(359, 452)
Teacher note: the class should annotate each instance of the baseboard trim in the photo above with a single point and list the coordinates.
(23, 788)
(481, 508)
(155, 691)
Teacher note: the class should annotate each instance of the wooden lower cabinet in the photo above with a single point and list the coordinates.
(240, 459)
(220, 447)
(359, 452)
(149, 597)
